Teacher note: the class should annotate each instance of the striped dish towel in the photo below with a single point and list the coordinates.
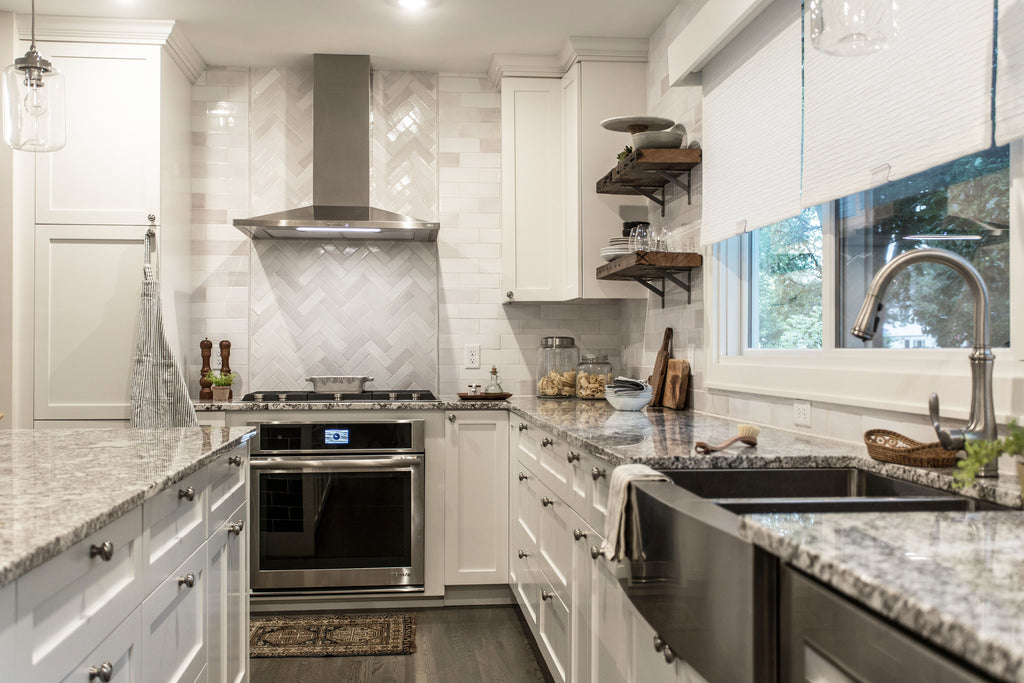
(621, 525)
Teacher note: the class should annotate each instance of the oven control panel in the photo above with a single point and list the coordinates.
(385, 436)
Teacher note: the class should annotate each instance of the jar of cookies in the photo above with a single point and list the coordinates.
(593, 374)
(556, 367)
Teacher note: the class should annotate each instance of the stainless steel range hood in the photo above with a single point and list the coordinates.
(341, 167)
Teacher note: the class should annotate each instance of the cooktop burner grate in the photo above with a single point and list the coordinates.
(328, 397)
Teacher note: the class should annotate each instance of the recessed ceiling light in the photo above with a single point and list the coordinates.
(413, 4)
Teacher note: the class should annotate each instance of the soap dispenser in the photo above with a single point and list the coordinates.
(495, 386)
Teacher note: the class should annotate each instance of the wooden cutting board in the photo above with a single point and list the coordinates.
(677, 376)
(660, 366)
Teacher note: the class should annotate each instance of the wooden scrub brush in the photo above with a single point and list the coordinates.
(747, 435)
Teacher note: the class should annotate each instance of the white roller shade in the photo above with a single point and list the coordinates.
(751, 126)
(1010, 72)
(924, 101)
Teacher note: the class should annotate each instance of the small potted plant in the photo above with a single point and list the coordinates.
(980, 453)
(221, 384)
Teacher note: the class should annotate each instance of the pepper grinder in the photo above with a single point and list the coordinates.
(205, 392)
(225, 365)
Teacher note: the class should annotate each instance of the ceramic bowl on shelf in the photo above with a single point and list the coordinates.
(658, 139)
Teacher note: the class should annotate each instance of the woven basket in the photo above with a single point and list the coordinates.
(892, 447)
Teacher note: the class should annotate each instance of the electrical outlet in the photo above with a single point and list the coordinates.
(802, 413)
(472, 360)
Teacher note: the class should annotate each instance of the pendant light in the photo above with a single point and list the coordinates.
(33, 102)
(848, 28)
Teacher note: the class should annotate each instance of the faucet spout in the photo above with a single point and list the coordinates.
(982, 423)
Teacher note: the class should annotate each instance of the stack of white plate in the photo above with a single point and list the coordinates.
(617, 246)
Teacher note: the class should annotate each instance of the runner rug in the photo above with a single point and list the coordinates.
(332, 636)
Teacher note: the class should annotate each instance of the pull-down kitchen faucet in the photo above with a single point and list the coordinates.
(982, 424)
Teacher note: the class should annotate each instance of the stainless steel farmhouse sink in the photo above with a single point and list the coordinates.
(711, 596)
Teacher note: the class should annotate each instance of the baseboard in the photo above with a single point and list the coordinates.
(455, 596)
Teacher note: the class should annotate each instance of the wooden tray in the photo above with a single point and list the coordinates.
(484, 397)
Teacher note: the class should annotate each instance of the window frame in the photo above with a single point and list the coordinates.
(883, 379)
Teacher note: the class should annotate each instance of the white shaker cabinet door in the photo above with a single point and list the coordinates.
(7, 641)
(174, 625)
(476, 497)
(227, 611)
(87, 286)
(119, 656)
(108, 173)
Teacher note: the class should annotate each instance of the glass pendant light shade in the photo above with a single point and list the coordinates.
(847, 28)
(33, 105)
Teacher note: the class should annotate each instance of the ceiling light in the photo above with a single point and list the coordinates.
(33, 102)
(413, 4)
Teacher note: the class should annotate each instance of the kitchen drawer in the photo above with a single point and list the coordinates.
(527, 490)
(173, 527)
(66, 606)
(595, 474)
(527, 437)
(121, 651)
(226, 488)
(526, 579)
(174, 624)
(555, 543)
(553, 627)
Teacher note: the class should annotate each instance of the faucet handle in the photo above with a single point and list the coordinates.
(951, 439)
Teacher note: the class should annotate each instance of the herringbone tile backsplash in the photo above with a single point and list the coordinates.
(344, 308)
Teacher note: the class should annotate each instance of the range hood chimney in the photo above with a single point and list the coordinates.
(341, 167)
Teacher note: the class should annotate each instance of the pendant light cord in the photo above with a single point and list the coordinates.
(33, 47)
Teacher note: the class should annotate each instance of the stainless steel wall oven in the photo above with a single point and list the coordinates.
(338, 506)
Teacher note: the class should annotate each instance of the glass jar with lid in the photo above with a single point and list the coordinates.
(593, 374)
(556, 367)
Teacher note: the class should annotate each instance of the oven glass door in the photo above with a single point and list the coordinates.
(331, 524)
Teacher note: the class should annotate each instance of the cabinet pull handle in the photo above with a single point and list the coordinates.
(189, 493)
(189, 580)
(104, 672)
(546, 441)
(451, 418)
(523, 427)
(510, 295)
(659, 644)
(595, 552)
(236, 527)
(669, 655)
(545, 501)
(522, 477)
(546, 595)
(597, 473)
(235, 460)
(573, 457)
(578, 534)
(105, 550)
(523, 554)
(152, 219)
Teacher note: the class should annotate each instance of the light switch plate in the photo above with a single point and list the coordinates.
(472, 359)
(802, 413)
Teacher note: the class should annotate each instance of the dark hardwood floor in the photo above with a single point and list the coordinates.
(453, 645)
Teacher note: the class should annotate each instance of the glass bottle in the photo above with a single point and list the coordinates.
(556, 367)
(495, 386)
(593, 374)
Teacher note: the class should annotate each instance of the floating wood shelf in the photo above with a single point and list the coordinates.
(644, 266)
(648, 171)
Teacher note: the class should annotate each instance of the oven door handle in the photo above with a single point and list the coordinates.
(334, 464)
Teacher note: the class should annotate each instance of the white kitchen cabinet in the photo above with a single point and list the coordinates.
(68, 605)
(553, 152)
(611, 634)
(109, 171)
(174, 624)
(227, 478)
(174, 526)
(585, 574)
(8, 645)
(227, 605)
(648, 665)
(120, 655)
(476, 497)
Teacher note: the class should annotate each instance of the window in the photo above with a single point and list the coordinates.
(962, 206)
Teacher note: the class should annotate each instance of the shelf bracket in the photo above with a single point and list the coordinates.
(653, 196)
(685, 187)
(685, 286)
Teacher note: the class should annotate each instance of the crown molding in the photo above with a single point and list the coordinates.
(123, 31)
(524, 66)
(588, 49)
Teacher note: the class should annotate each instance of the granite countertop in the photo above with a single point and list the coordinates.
(444, 403)
(59, 486)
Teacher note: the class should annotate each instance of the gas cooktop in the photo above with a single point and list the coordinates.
(327, 397)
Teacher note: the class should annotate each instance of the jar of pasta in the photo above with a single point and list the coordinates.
(556, 367)
(593, 374)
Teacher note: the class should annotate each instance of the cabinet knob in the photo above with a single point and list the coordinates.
(546, 595)
(595, 552)
(578, 534)
(235, 460)
(510, 295)
(545, 501)
(105, 550)
(189, 493)
(659, 644)
(573, 457)
(523, 554)
(597, 473)
(523, 427)
(670, 656)
(104, 672)
(236, 527)
(547, 442)
(188, 580)
(451, 418)
(522, 477)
